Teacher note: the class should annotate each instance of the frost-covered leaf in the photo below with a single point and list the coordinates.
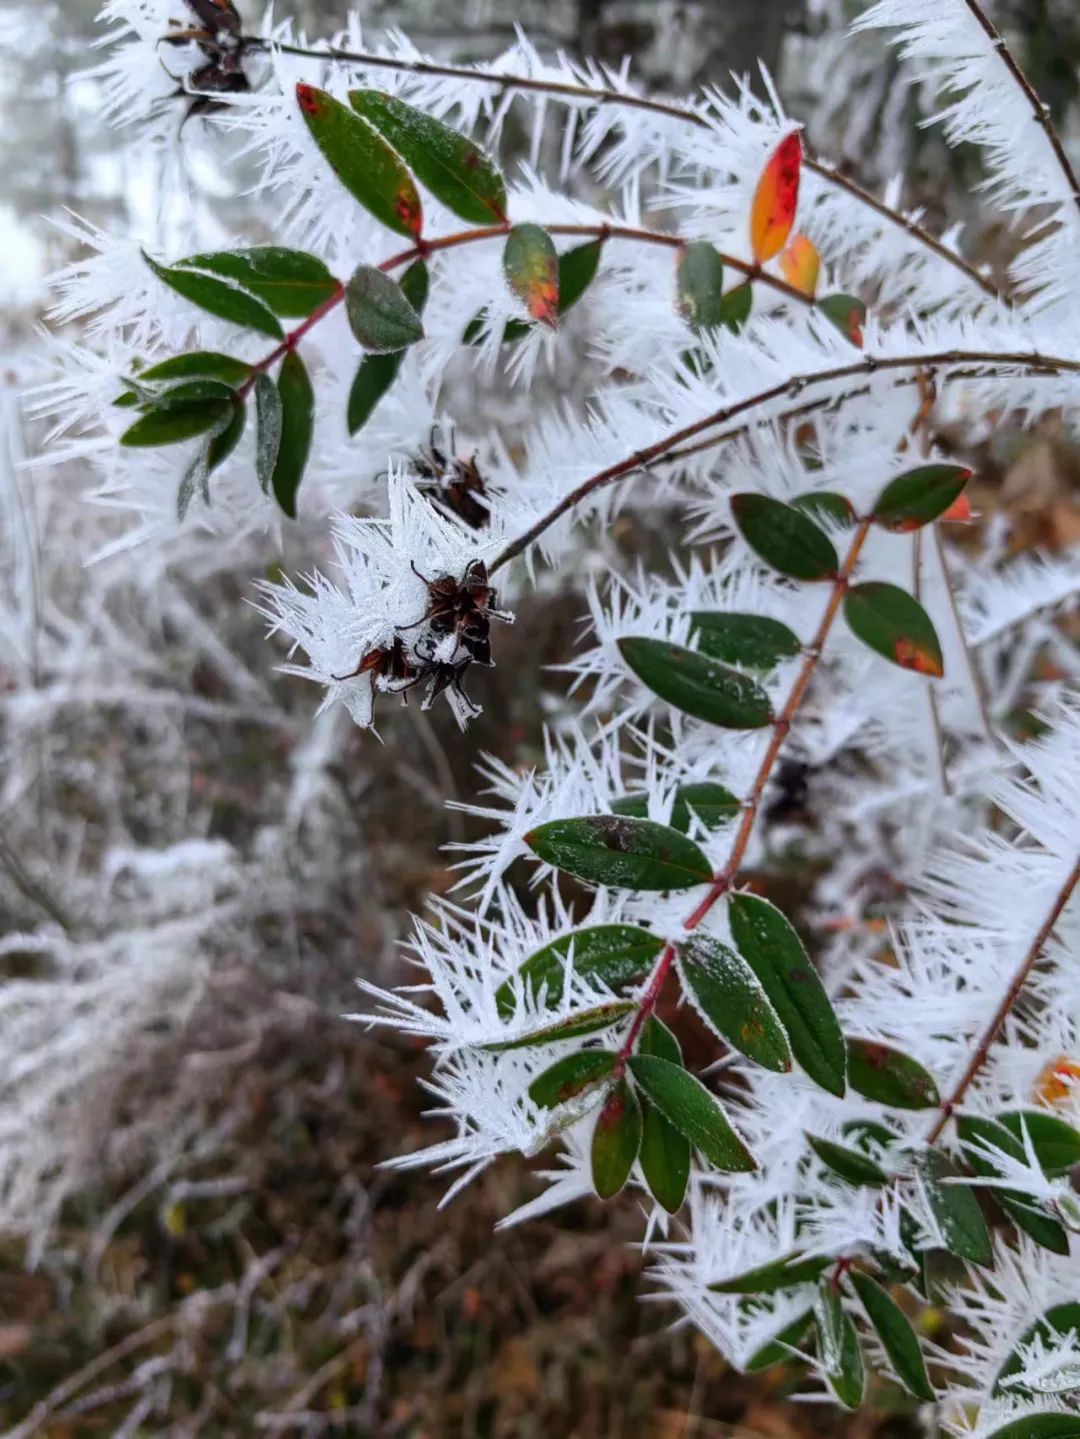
(955, 1208)
(366, 165)
(898, 1338)
(196, 365)
(730, 998)
(1040, 1426)
(456, 171)
(712, 804)
(697, 685)
(894, 625)
(776, 199)
(919, 496)
(779, 1348)
(755, 641)
(626, 853)
(617, 954)
(839, 1353)
(182, 413)
(825, 505)
(879, 1072)
(847, 313)
(570, 1076)
(269, 422)
(665, 1153)
(584, 1021)
(380, 315)
(786, 1273)
(297, 427)
(291, 282)
(1059, 1322)
(616, 1140)
(685, 1101)
(378, 372)
(773, 950)
(849, 1164)
(531, 267)
(700, 285)
(784, 537)
(223, 298)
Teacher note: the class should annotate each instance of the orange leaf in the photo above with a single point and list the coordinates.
(773, 212)
(959, 510)
(800, 264)
(910, 655)
(1058, 1080)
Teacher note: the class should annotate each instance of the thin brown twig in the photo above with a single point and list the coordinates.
(1004, 1009)
(724, 879)
(599, 95)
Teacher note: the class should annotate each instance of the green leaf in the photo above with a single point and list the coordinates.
(665, 1152)
(456, 171)
(786, 1273)
(779, 1349)
(531, 267)
(297, 426)
(366, 165)
(585, 1021)
(1025, 1213)
(729, 997)
(775, 953)
(617, 954)
(847, 313)
(712, 804)
(172, 422)
(877, 1072)
(826, 506)
(198, 365)
(269, 422)
(697, 685)
(292, 283)
(616, 1140)
(219, 297)
(914, 499)
(577, 271)
(1041, 1426)
(380, 316)
(856, 1168)
(754, 641)
(784, 537)
(225, 441)
(838, 1348)
(693, 1111)
(955, 1208)
(736, 306)
(570, 1076)
(898, 1338)
(1056, 1142)
(1055, 1325)
(627, 853)
(894, 625)
(700, 285)
(378, 372)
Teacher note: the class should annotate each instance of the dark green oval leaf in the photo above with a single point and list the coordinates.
(877, 1072)
(627, 853)
(1056, 1142)
(825, 505)
(531, 267)
(712, 804)
(754, 641)
(914, 499)
(839, 1354)
(366, 165)
(617, 954)
(898, 1338)
(775, 953)
(693, 1111)
(736, 306)
(172, 424)
(616, 1140)
(700, 285)
(730, 998)
(380, 316)
(456, 171)
(894, 625)
(219, 297)
(786, 1273)
(849, 1164)
(570, 1076)
(1041, 1426)
(378, 372)
(269, 421)
(784, 537)
(293, 283)
(665, 1153)
(297, 427)
(225, 441)
(779, 1349)
(697, 685)
(955, 1208)
(198, 365)
(585, 1021)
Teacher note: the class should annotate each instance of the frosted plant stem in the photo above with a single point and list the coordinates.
(725, 878)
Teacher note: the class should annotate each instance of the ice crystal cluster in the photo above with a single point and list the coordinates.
(666, 307)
